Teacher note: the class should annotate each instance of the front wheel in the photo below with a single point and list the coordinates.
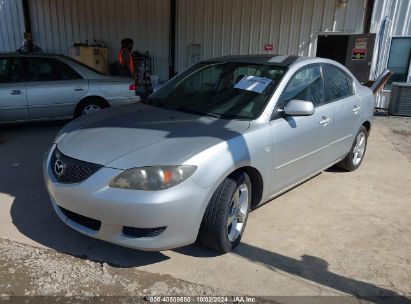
(226, 215)
(356, 155)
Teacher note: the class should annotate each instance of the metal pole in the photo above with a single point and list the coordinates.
(28, 41)
(172, 38)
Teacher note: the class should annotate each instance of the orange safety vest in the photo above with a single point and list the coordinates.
(129, 64)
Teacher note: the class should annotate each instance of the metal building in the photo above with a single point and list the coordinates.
(177, 33)
(11, 25)
(58, 24)
(223, 27)
(391, 20)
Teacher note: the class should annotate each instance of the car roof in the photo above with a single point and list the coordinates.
(30, 54)
(267, 59)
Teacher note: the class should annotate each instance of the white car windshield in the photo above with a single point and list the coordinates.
(223, 89)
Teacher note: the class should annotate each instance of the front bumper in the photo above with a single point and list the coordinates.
(179, 209)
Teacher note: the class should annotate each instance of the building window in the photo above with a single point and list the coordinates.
(399, 60)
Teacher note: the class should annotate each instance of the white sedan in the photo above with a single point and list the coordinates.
(45, 86)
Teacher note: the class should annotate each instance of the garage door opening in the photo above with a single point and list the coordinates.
(333, 47)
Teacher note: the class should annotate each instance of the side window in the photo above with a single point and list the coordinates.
(337, 84)
(48, 69)
(11, 70)
(306, 84)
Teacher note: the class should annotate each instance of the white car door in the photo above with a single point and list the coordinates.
(300, 143)
(53, 88)
(13, 102)
(340, 93)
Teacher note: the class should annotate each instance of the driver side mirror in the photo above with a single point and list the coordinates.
(299, 108)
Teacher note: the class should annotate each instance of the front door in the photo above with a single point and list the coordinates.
(53, 88)
(300, 143)
(13, 103)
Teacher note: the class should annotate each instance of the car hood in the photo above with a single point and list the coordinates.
(141, 135)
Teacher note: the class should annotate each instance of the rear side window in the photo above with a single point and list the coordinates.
(306, 84)
(49, 69)
(337, 83)
(11, 70)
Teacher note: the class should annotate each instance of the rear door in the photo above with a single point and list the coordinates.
(53, 88)
(340, 94)
(300, 143)
(13, 103)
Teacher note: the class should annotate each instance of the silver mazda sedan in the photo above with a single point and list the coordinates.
(222, 137)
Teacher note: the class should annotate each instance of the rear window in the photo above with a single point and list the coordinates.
(84, 65)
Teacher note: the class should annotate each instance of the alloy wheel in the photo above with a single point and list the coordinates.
(359, 148)
(90, 109)
(237, 212)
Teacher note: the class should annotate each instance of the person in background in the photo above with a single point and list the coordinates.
(125, 57)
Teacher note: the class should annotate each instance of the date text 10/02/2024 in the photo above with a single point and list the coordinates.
(200, 299)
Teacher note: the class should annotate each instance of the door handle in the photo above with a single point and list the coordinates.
(356, 109)
(325, 121)
(15, 92)
(78, 89)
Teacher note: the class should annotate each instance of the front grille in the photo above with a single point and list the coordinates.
(82, 220)
(68, 170)
(142, 232)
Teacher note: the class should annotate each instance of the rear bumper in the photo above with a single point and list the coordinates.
(123, 101)
(179, 209)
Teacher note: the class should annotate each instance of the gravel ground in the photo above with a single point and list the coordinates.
(398, 131)
(33, 275)
(30, 271)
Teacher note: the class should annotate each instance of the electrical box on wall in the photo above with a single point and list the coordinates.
(94, 57)
(359, 55)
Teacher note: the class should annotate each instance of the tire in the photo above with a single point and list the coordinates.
(351, 162)
(215, 232)
(88, 106)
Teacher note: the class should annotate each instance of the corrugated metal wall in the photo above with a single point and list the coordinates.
(224, 27)
(399, 24)
(11, 25)
(57, 24)
(221, 26)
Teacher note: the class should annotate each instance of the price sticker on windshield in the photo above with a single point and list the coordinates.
(253, 84)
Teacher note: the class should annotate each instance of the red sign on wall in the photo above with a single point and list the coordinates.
(268, 47)
(359, 54)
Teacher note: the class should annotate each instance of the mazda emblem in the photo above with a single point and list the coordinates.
(59, 167)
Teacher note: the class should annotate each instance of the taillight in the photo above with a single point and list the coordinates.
(132, 87)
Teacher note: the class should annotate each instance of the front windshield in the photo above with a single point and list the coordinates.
(225, 89)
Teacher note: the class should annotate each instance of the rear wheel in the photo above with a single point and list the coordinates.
(226, 215)
(89, 106)
(354, 159)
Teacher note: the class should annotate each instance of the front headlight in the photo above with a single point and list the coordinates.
(152, 178)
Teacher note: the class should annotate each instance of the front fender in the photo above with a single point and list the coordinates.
(249, 149)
